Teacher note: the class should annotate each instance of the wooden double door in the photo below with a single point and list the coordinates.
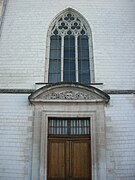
(69, 159)
(69, 156)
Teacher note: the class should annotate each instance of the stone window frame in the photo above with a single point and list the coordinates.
(89, 34)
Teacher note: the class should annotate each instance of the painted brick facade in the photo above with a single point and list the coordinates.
(120, 129)
(15, 137)
(22, 64)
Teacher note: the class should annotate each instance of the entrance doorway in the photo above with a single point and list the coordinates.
(69, 149)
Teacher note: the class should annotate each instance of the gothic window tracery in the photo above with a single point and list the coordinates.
(69, 54)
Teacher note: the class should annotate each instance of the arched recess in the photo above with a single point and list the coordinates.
(69, 100)
(69, 26)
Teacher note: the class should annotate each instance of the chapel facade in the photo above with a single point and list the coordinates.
(67, 90)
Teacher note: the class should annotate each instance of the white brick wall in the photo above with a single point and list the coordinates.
(120, 137)
(15, 137)
(23, 41)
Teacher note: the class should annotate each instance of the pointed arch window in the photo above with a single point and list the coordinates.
(70, 51)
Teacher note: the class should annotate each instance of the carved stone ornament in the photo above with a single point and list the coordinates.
(68, 93)
(69, 23)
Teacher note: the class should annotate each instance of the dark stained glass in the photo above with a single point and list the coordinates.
(55, 66)
(55, 59)
(69, 59)
(83, 59)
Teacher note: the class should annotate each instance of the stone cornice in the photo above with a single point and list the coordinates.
(17, 91)
(29, 91)
(119, 91)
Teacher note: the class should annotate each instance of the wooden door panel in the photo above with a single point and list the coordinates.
(56, 160)
(80, 160)
(69, 159)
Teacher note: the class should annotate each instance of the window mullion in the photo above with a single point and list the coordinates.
(62, 57)
(76, 57)
(91, 60)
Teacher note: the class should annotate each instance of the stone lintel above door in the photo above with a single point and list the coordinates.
(68, 92)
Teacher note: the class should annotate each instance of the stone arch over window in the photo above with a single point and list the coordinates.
(69, 56)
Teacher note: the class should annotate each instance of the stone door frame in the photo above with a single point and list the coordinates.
(61, 101)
